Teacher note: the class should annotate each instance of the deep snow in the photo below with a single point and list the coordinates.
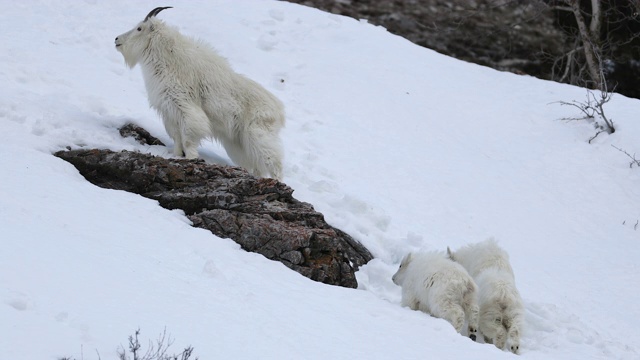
(401, 147)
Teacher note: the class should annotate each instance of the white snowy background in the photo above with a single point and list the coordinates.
(403, 148)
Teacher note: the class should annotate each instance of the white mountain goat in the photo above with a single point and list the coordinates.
(501, 308)
(199, 96)
(438, 286)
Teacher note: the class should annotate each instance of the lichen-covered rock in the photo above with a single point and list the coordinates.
(258, 213)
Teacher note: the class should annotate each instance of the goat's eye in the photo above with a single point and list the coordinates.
(139, 29)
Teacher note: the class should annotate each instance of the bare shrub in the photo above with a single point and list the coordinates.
(156, 350)
(592, 110)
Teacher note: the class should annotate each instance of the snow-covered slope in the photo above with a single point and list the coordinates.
(399, 146)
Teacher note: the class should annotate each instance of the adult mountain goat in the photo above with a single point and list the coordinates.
(199, 96)
(440, 287)
(501, 308)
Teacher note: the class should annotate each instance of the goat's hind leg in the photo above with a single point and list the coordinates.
(262, 152)
(235, 152)
(471, 311)
(491, 327)
(176, 135)
(453, 313)
(513, 336)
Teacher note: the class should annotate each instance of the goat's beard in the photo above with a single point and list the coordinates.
(129, 55)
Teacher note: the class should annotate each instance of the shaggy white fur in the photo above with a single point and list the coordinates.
(438, 286)
(501, 308)
(199, 96)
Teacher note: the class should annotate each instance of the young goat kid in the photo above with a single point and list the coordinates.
(438, 286)
(501, 309)
(199, 96)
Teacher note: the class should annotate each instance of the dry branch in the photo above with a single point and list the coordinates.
(634, 161)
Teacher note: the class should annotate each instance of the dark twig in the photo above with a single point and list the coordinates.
(595, 136)
(634, 161)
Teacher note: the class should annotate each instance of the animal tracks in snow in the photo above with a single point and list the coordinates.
(268, 41)
(19, 302)
(276, 14)
(549, 327)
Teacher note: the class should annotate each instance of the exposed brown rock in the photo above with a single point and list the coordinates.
(258, 213)
(139, 134)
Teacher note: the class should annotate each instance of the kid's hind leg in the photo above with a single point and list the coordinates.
(513, 337)
(500, 340)
(471, 311)
(491, 328)
(453, 313)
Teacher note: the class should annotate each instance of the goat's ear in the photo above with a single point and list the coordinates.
(408, 258)
(152, 27)
(450, 254)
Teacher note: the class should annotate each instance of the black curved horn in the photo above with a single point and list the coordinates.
(155, 12)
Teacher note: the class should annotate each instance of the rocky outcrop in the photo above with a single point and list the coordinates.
(259, 214)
